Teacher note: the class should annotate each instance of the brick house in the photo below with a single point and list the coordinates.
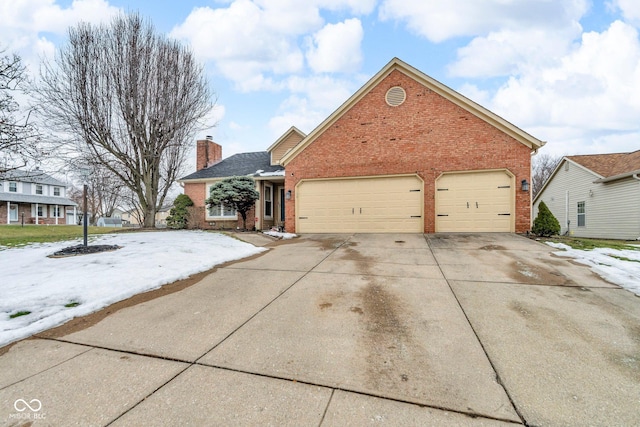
(36, 198)
(263, 166)
(406, 153)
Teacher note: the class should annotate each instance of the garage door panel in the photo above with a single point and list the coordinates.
(474, 202)
(385, 204)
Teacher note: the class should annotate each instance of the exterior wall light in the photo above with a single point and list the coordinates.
(288, 195)
(525, 185)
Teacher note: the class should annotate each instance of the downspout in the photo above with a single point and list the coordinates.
(635, 176)
(8, 212)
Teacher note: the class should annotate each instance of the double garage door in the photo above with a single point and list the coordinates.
(364, 205)
(464, 202)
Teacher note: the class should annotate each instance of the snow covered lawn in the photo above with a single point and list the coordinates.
(57, 290)
(621, 267)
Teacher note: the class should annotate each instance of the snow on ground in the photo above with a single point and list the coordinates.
(280, 235)
(608, 263)
(32, 282)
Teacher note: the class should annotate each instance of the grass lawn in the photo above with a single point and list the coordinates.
(16, 235)
(588, 244)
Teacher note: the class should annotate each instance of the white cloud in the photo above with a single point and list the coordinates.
(25, 23)
(440, 20)
(253, 42)
(512, 52)
(337, 47)
(630, 10)
(590, 99)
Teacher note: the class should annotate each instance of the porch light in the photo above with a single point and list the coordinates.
(287, 196)
(525, 185)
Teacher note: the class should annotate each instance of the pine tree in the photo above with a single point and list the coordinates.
(545, 224)
(179, 214)
(238, 192)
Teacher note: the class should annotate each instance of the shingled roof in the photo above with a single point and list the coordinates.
(243, 164)
(610, 165)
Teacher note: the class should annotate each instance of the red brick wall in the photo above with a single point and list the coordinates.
(426, 135)
(207, 153)
(197, 193)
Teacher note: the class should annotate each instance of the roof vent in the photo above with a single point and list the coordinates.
(395, 96)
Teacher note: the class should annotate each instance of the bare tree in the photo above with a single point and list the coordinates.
(542, 166)
(18, 135)
(105, 191)
(131, 99)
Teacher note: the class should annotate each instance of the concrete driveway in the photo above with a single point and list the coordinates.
(481, 329)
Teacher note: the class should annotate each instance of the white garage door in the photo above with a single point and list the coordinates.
(475, 202)
(366, 205)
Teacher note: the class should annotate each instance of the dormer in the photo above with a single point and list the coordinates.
(286, 142)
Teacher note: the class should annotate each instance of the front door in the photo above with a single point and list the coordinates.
(13, 213)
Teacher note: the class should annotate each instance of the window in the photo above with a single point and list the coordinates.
(13, 187)
(55, 212)
(40, 211)
(56, 191)
(581, 214)
(268, 201)
(38, 189)
(222, 211)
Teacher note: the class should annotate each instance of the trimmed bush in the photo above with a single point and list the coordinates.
(179, 213)
(545, 224)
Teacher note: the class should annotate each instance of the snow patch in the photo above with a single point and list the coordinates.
(280, 235)
(33, 282)
(621, 267)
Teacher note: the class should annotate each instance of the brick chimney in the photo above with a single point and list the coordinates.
(208, 153)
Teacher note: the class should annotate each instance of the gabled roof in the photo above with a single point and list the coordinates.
(254, 164)
(610, 166)
(286, 135)
(35, 176)
(604, 167)
(439, 88)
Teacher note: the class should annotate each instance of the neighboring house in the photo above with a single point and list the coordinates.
(595, 195)
(405, 153)
(36, 198)
(104, 221)
(132, 217)
(263, 166)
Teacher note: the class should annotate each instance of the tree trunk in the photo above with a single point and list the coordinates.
(244, 220)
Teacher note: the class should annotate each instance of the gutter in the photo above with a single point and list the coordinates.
(634, 174)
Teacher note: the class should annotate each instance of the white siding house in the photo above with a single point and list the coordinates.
(33, 197)
(595, 196)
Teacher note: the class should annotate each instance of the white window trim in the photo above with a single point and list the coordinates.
(35, 190)
(264, 205)
(221, 217)
(9, 187)
(59, 192)
(584, 214)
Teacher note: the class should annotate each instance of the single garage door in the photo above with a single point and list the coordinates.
(474, 202)
(366, 205)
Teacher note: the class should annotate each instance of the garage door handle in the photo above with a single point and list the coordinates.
(352, 211)
(360, 210)
(418, 216)
(505, 214)
(303, 217)
(476, 205)
(467, 205)
(443, 214)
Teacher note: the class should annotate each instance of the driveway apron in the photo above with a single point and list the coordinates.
(404, 329)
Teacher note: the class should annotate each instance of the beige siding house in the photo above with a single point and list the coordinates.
(595, 195)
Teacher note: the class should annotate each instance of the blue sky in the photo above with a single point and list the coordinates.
(566, 71)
